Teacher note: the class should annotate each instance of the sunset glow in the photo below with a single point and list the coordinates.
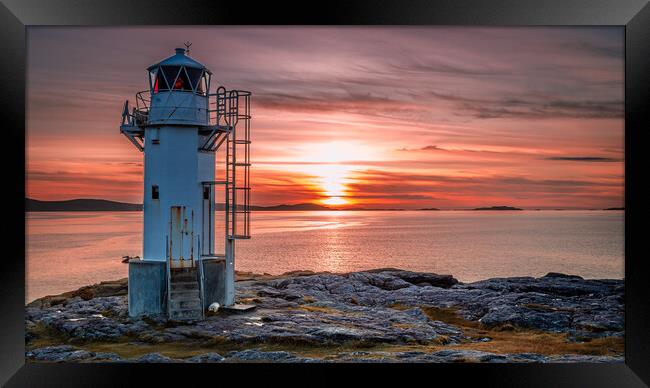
(352, 117)
(332, 168)
(335, 201)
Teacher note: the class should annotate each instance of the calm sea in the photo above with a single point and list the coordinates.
(67, 250)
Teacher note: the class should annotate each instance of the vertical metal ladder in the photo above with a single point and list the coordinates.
(230, 123)
(237, 117)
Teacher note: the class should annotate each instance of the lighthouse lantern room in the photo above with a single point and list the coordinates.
(180, 125)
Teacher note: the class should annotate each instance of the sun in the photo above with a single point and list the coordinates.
(335, 201)
(330, 180)
(329, 165)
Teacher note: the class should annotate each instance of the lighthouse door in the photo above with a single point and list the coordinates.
(181, 237)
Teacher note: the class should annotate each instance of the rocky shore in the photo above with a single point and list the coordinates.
(385, 315)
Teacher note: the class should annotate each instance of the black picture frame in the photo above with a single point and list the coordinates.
(17, 15)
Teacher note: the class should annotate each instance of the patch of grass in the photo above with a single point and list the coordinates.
(400, 307)
(441, 340)
(250, 300)
(448, 315)
(44, 336)
(527, 341)
(320, 309)
(509, 339)
(403, 325)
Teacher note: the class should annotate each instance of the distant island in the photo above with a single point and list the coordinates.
(79, 205)
(497, 208)
(615, 208)
(429, 208)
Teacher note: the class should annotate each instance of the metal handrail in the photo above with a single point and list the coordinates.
(143, 100)
(223, 101)
(169, 276)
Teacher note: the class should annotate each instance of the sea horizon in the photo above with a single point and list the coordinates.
(323, 207)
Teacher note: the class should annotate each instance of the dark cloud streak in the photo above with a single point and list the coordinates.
(583, 159)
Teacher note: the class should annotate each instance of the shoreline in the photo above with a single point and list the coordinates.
(380, 315)
(250, 276)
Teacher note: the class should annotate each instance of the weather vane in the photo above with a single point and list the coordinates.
(187, 46)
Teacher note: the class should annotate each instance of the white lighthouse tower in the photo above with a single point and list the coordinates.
(180, 126)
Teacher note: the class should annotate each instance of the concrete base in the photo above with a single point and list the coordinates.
(239, 308)
(213, 280)
(147, 287)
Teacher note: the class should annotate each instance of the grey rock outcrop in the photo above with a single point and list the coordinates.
(370, 308)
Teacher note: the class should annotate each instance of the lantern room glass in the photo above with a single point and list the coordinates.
(178, 78)
(159, 82)
(194, 75)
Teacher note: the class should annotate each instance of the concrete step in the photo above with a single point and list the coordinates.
(179, 286)
(185, 297)
(185, 294)
(181, 304)
(180, 314)
(184, 276)
(184, 270)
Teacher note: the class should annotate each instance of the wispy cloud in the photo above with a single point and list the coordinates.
(584, 159)
(452, 115)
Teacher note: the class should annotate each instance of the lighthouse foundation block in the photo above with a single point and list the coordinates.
(147, 287)
(214, 278)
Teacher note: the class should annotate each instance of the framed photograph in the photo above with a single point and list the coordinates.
(447, 188)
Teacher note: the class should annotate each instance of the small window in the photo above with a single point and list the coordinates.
(206, 192)
(155, 194)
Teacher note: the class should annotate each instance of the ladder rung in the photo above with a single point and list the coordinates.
(241, 188)
(240, 164)
(215, 182)
(241, 141)
(239, 237)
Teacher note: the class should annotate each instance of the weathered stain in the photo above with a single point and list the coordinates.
(175, 224)
(181, 230)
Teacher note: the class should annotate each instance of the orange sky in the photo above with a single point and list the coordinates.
(354, 117)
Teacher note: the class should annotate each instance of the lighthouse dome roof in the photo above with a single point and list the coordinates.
(180, 59)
